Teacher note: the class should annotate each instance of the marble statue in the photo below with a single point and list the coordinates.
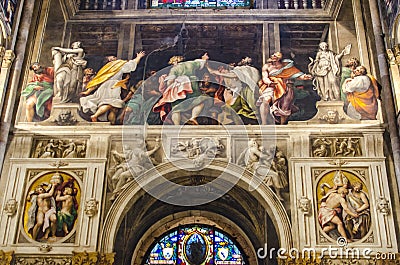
(133, 162)
(68, 66)
(326, 71)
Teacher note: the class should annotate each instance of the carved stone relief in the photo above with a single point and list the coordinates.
(91, 207)
(6, 257)
(129, 164)
(383, 205)
(11, 207)
(65, 118)
(56, 148)
(331, 117)
(198, 149)
(43, 261)
(92, 258)
(304, 205)
(51, 208)
(8, 59)
(336, 147)
(269, 164)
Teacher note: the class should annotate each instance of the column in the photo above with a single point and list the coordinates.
(387, 96)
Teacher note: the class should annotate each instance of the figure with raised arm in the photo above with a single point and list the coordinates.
(42, 213)
(108, 83)
(68, 66)
(276, 89)
(180, 91)
(329, 212)
(326, 71)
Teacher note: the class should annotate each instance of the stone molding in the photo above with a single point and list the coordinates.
(92, 258)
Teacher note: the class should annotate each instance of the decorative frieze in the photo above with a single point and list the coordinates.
(336, 147)
(92, 258)
(56, 148)
(199, 149)
(43, 261)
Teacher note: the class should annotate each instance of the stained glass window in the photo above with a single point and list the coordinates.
(192, 245)
(199, 3)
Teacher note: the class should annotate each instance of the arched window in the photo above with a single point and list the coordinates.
(193, 245)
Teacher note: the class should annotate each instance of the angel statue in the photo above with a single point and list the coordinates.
(133, 162)
(326, 71)
(270, 164)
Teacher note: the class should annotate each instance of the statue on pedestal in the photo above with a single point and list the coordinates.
(68, 66)
(326, 71)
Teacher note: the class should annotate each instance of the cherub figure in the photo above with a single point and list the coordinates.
(42, 213)
(321, 147)
(67, 214)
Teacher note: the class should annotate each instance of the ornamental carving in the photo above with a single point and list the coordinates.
(43, 261)
(66, 118)
(269, 164)
(394, 55)
(336, 147)
(56, 148)
(92, 258)
(8, 59)
(199, 149)
(383, 205)
(132, 162)
(304, 205)
(2, 52)
(11, 207)
(6, 257)
(332, 117)
(91, 207)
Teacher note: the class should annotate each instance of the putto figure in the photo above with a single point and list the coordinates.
(42, 213)
(326, 71)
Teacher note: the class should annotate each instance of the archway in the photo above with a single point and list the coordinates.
(135, 197)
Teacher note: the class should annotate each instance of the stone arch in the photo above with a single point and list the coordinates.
(195, 217)
(265, 196)
(396, 30)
